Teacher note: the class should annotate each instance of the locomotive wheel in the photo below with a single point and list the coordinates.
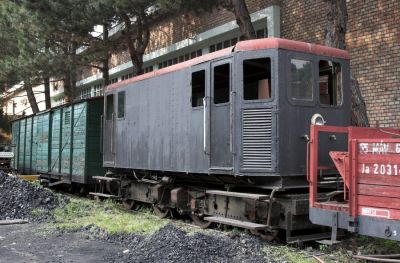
(198, 221)
(130, 204)
(270, 236)
(161, 212)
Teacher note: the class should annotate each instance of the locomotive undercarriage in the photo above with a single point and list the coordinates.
(268, 213)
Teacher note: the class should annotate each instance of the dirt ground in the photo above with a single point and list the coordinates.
(27, 243)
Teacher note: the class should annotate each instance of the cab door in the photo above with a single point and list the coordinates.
(109, 131)
(221, 145)
(256, 121)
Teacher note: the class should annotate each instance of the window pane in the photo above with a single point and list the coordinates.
(121, 104)
(330, 83)
(198, 88)
(110, 106)
(301, 79)
(221, 83)
(257, 79)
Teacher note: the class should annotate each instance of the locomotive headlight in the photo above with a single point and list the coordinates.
(317, 119)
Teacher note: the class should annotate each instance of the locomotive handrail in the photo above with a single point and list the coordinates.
(205, 125)
(112, 133)
(231, 119)
(101, 132)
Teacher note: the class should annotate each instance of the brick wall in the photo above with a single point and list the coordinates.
(373, 40)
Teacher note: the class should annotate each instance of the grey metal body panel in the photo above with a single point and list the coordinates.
(294, 117)
(161, 131)
(156, 132)
(365, 225)
(220, 123)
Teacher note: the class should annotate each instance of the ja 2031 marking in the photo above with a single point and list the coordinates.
(380, 169)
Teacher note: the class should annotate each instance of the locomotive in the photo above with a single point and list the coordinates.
(221, 138)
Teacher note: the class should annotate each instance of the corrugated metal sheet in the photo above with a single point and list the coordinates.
(34, 145)
(55, 142)
(21, 150)
(66, 140)
(43, 131)
(79, 139)
(15, 141)
(257, 139)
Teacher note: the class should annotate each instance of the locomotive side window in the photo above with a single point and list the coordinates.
(257, 79)
(198, 88)
(330, 83)
(301, 79)
(121, 104)
(110, 106)
(221, 83)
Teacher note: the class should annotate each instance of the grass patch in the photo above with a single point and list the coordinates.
(38, 212)
(288, 254)
(370, 245)
(293, 255)
(106, 215)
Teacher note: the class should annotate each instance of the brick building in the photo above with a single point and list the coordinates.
(373, 40)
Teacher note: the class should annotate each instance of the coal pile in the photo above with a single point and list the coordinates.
(23, 200)
(171, 244)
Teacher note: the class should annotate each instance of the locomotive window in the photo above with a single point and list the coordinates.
(198, 88)
(110, 106)
(257, 79)
(301, 79)
(121, 104)
(221, 83)
(330, 83)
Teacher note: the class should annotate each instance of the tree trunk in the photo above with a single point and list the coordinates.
(106, 57)
(136, 41)
(70, 73)
(47, 92)
(359, 115)
(243, 18)
(335, 34)
(31, 97)
(46, 80)
(67, 88)
(336, 26)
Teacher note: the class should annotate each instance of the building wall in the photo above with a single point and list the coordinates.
(18, 104)
(373, 40)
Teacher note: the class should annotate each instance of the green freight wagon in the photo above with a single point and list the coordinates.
(75, 147)
(42, 140)
(25, 148)
(15, 143)
(63, 144)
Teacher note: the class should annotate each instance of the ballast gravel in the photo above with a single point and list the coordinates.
(172, 244)
(20, 199)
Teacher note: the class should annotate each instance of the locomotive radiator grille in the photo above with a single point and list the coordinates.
(257, 139)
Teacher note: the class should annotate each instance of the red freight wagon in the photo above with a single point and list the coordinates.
(367, 196)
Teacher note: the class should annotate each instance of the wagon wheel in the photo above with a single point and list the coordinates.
(161, 212)
(269, 235)
(130, 204)
(200, 222)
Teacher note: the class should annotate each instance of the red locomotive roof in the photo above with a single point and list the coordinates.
(267, 43)
(256, 44)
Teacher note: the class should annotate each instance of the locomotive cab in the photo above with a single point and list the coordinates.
(241, 114)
